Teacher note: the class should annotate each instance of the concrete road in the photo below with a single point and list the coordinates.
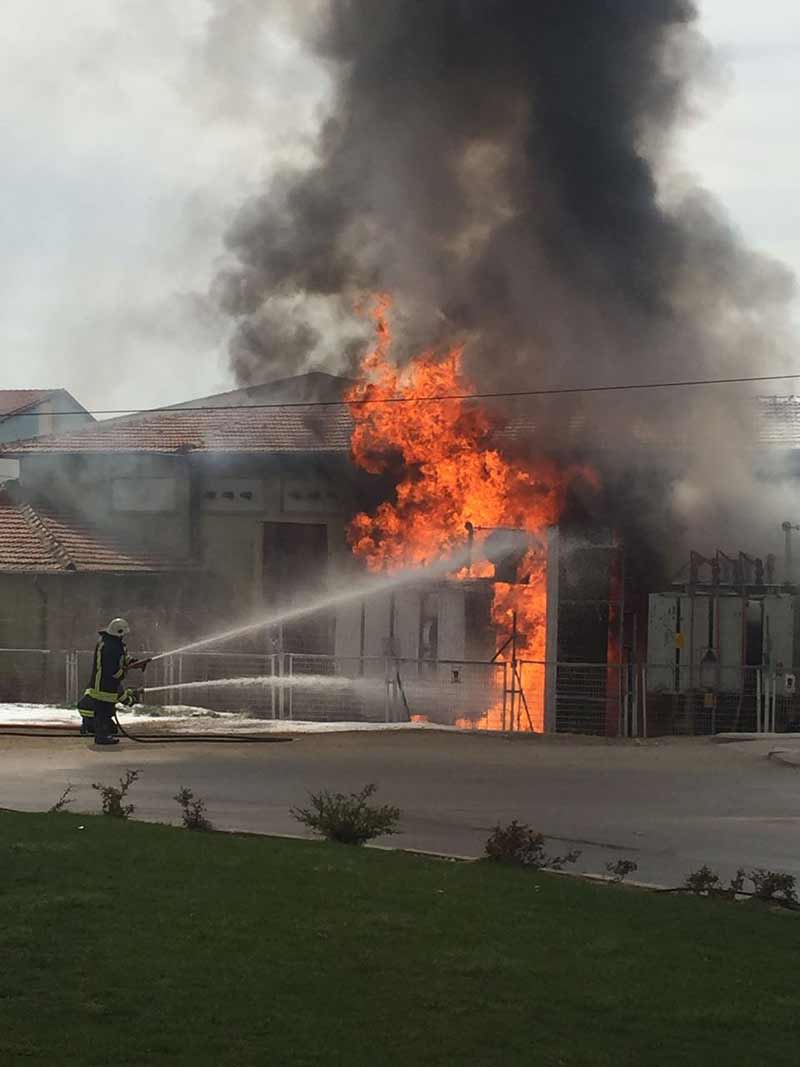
(670, 805)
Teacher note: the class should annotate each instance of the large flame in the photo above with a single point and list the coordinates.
(452, 473)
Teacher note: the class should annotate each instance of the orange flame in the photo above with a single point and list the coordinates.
(453, 473)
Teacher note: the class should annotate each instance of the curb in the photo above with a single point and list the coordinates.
(456, 857)
(780, 755)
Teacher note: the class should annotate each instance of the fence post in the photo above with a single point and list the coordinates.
(70, 683)
(272, 684)
(279, 673)
(765, 703)
(624, 701)
(643, 691)
(290, 673)
(387, 699)
(633, 678)
(169, 678)
(281, 689)
(767, 698)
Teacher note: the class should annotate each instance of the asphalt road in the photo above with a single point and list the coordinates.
(669, 805)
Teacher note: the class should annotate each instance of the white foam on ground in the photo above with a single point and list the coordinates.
(182, 717)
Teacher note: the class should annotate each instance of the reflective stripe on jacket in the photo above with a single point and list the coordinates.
(109, 667)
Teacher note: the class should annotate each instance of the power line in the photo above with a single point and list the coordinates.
(510, 394)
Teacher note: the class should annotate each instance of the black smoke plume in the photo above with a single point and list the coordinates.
(502, 167)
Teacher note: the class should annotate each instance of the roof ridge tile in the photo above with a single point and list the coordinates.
(39, 526)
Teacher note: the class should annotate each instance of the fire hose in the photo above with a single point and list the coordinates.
(231, 739)
(152, 739)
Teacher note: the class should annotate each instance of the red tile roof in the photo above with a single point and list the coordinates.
(285, 429)
(13, 401)
(37, 539)
(327, 428)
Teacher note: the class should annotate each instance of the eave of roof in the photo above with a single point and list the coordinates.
(19, 401)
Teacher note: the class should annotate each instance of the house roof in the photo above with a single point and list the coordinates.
(38, 539)
(299, 428)
(16, 401)
(313, 386)
(771, 421)
(285, 429)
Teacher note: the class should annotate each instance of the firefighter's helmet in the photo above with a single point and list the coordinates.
(118, 628)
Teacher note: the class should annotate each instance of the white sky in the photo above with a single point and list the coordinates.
(127, 141)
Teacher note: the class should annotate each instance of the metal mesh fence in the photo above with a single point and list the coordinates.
(588, 698)
(179, 680)
(319, 688)
(733, 699)
(608, 700)
(469, 695)
(327, 688)
(472, 695)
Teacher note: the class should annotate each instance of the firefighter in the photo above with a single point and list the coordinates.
(110, 665)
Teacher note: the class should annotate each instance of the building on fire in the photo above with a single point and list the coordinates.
(193, 517)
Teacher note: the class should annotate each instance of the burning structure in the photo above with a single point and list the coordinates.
(503, 170)
(380, 480)
(457, 484)
(230, 511)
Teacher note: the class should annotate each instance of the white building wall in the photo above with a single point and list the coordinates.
(452, 623)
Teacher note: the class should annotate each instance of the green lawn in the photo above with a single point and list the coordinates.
(125, 943)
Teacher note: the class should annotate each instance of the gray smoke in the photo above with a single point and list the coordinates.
(502, 167)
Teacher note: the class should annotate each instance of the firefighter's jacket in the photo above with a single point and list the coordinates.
(111, 661)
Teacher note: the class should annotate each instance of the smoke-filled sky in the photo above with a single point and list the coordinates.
(133, 133)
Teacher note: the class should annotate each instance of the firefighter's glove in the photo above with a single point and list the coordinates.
(131, 697)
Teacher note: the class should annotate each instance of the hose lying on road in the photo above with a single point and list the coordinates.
(151, 739)
(157, 739)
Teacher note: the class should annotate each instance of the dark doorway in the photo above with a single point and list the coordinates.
(295, 563)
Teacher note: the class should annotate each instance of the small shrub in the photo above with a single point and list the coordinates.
(773, 885)
(347, 817)
(112, 796)
(63, 801)
(703, 881)
(193, 810)
(518, 845)
(620, 870)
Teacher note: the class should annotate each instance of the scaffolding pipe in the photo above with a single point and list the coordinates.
(514, 712)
